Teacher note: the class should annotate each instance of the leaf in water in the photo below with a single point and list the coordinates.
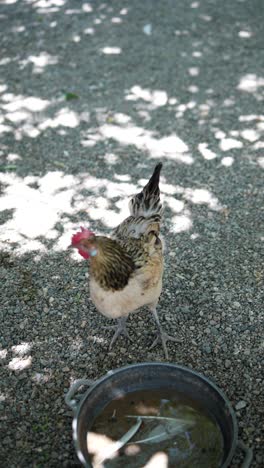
(156, 435)
(164, 430)
(162, 418)
(109, 451)
(71, 96)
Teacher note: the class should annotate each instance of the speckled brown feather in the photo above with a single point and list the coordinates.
(112, 266)
(117, 261)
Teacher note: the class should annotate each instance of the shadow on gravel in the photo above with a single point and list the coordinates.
(92, 95)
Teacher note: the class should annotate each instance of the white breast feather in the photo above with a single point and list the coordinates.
(114, 304)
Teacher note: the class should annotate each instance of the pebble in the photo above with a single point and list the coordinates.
(224, 348)
(207, 348)
(19, 444)
(240, 405)
(7, 440)
(227, 363)
(186, 310)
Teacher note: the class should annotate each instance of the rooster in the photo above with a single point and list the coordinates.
(126, 269)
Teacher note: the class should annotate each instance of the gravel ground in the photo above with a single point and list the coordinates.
(91, 96)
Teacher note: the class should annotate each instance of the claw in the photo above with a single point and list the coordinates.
(164, 337)
(161, 335)
(120, 329)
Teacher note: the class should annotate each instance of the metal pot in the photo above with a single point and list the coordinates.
(149, 376)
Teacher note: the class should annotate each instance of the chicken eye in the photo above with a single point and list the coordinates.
(93, 252)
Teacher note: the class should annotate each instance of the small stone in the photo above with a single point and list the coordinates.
(147, 29)
(243, 328)
(207, 348)
(21, 377)
(240, 405)
(83, 365)
(227, 363)
(236, 304)
(34, 393)
(66, 369)
(19, 443)
(7, 440)
(44, 362)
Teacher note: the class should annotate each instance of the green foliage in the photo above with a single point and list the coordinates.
(70, 96)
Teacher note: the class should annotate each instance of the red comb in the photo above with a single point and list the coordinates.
(83, 234)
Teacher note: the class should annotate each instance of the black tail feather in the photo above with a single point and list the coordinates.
(147, 202)
(153, 183)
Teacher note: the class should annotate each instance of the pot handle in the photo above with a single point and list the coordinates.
(248, 454)
(73, 389)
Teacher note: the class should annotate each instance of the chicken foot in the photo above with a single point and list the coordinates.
(120, 329)
(161, 335)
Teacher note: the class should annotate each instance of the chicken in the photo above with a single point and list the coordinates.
(126, 269)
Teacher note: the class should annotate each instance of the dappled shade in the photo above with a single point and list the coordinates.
(92, 96)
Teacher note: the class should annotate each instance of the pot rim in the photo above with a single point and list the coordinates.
(110, 373)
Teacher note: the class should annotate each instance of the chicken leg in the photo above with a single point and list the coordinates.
(120, 329)
(161, 335)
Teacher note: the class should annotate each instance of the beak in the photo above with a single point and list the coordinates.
(70, 246)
